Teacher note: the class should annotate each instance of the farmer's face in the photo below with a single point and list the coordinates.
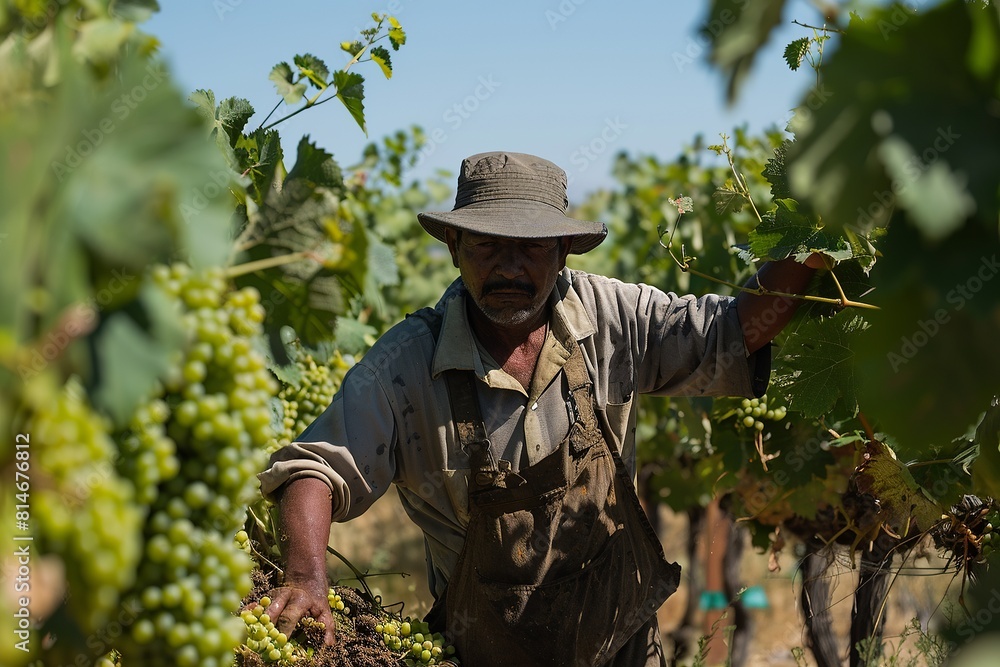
(509, 280)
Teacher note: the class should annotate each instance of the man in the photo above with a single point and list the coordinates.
(505, 416)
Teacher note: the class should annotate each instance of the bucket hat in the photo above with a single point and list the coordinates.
(513, 195)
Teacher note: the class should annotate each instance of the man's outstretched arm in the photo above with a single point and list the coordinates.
(762, 317)
(305, 509)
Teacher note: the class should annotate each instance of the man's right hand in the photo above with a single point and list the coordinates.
(295, 601)
(304, 532)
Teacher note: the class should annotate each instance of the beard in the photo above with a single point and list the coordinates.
(508, 315)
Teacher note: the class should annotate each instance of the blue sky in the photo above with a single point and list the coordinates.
(574, 81)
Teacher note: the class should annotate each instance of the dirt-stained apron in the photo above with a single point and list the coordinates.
(560, 565)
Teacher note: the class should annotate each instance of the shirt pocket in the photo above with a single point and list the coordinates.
(618, 411)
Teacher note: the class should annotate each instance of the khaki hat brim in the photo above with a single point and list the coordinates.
(516, 218)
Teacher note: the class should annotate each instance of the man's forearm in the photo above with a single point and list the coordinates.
(305, 509)
(762, 317)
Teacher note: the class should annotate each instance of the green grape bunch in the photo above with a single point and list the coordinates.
(194, 450)
(753, 413)
(82, 510)
(306, 392)
(366, 634)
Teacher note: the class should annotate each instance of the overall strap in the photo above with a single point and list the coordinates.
(586, 431)
(470, 426)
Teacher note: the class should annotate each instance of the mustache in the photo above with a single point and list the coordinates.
(508, 286)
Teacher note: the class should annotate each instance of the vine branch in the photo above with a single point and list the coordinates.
(760, 290)
(312, 102)
(823, 28)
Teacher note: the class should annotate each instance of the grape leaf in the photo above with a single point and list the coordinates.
(284, 82)
(737, 30)
(396, 35)
(727, 199)
(316, 166)
(233, 114)
(785, 231)
(795, 52)
(816, 368)
(313, 69)
(351, 91)
(304, 217)
(904, 507)
(380, 55)
(259, 156)
(774, 172)
(227, 121)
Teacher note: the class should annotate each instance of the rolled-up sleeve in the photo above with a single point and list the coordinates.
(349, 447)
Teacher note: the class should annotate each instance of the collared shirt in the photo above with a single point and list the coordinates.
(391, 420)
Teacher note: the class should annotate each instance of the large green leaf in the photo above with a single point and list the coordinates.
(786, 231)
(900, 119)
(92, 197)
(816, 365)
(90, 187)
(928, 363)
